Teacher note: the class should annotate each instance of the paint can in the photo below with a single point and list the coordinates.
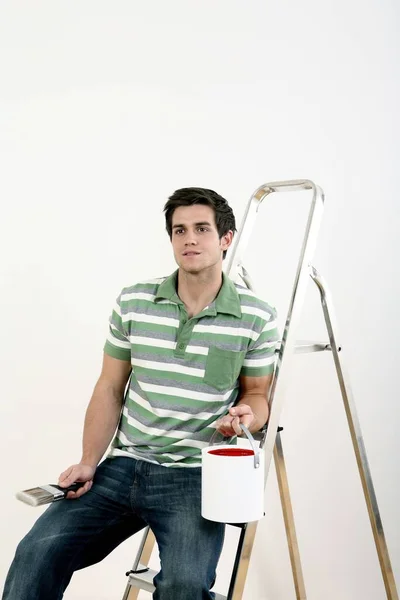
(232, 479)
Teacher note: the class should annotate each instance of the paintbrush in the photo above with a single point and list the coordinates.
(46, 493)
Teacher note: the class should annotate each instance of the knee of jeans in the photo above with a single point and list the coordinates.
(34, 548)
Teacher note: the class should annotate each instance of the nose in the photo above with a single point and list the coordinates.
(190, 240)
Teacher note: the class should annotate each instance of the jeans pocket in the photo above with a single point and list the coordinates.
(223, 368)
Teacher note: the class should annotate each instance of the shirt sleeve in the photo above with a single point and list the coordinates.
(117, 343)
(260, 356)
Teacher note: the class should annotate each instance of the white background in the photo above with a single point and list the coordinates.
(105, 109)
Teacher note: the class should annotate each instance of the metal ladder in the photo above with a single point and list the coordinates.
(140, 576)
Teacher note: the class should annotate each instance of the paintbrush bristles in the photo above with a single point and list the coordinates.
(40, 495)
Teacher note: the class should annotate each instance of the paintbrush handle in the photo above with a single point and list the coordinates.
(71, 488)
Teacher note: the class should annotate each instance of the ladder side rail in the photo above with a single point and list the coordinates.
(242, 561)
(142, 559)
(288, 517)
(288, 344)
(287, 348)
(357, 440)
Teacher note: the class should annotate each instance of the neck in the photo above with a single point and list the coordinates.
(198, 290)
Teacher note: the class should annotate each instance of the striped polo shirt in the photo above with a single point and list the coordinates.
(185, 371)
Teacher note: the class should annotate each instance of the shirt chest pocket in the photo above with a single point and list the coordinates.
(223, 368)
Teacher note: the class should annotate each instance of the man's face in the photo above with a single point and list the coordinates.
(195, 239)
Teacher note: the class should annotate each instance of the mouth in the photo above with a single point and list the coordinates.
(191, 253)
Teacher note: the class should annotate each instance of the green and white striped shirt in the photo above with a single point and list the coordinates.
(184, 370)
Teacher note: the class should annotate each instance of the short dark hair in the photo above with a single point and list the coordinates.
(224, 217)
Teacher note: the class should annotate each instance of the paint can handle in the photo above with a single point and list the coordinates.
(249, 437)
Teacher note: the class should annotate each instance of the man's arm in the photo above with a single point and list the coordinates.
(252, 409)
(101, 420)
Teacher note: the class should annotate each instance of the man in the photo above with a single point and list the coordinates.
(199, 352)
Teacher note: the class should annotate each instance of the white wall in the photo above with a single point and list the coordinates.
(105, 109)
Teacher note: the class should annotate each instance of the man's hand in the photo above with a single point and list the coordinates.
(77, 473)
(229, 425)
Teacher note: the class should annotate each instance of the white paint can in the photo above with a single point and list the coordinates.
(232, 482)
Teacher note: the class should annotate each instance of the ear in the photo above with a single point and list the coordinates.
(226, 240)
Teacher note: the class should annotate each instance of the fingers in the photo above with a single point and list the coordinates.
(75, 473)
(235, 424)
(241, 410)
(243, 414)
(66, 477)
(225, 427)
(229, 425)
(82, 490)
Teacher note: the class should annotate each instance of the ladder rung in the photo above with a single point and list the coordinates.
(144, 581)
(304, 347)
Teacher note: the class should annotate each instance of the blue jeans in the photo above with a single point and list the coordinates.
(127, 495)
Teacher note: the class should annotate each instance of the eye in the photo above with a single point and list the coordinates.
(178, 231)
(202, 229)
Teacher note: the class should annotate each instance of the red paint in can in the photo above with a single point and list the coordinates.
(231, 452)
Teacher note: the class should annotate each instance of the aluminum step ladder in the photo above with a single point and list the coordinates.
(141, 576)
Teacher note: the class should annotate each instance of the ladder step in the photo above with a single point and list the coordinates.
(144, 581)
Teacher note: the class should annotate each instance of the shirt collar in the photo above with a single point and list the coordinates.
(227, 300)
